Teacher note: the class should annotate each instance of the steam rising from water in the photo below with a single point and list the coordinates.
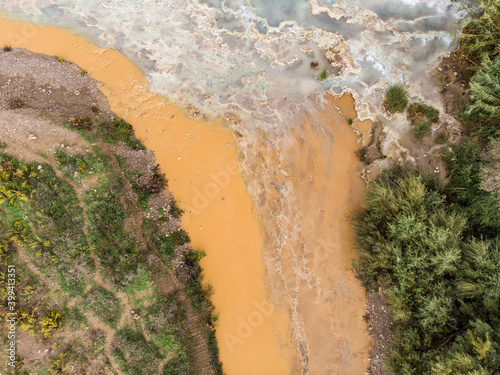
(237, 55)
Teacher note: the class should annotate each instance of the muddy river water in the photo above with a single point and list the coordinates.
(270, 207)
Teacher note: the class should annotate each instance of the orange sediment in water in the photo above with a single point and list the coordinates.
(200, 159)
(314, 186)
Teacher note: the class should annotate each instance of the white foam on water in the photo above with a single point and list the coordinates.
(227, 56)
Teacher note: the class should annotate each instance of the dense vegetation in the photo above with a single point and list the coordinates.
(442, 281)
(433, 247)
(480, 34)
(480, 42)
(485, 97)
(86, 257)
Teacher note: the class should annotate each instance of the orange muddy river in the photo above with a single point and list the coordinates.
(279, 248)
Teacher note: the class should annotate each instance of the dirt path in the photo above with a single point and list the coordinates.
(168, 284)
(109, 334)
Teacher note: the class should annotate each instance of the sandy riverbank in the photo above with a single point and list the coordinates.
(314, 310)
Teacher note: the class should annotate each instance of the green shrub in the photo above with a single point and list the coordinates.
(80, 123)
(480, 33)
(479, 206)
(145, 187)
(421, 130)
(396, 99)
(418, 111)
(174, 209)
(484, 91)
(166, 245)
(177, 366)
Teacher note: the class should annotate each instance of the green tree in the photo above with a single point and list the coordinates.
(481, 28)
(485, 95)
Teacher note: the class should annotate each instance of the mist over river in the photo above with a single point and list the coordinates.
(239, 55)
(249, 63)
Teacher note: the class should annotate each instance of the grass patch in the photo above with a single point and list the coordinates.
(164, 321)
(134, 354)
(323, 75)
(75, 318)
(118, 130)
(113, 131)
(418, 111)
(441, 138)
(106, 216)
(421, 117)
(166, 245)
(140, 287)
(396, 99)
(44, 218)
(122, 162)
(77, 167)
(103, 304)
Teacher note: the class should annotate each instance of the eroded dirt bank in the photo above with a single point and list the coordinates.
(300, 309)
